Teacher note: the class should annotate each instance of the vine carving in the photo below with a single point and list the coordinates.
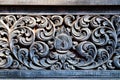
(60, 42)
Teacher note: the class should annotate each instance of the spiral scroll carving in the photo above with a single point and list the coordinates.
(60, 42)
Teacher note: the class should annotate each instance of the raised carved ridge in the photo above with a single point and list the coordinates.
(55, 42)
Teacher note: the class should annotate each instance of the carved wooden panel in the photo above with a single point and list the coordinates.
(58, 42)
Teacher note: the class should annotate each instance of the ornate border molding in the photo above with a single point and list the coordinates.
(59, 42)
(21, 23)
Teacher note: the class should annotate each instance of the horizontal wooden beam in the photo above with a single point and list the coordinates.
(69, 74)
(59, 2)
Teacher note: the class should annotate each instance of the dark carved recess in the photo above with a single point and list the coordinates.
(60, 42)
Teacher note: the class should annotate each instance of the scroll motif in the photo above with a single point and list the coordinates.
(60, 42)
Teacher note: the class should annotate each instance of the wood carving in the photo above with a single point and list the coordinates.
(60, 42)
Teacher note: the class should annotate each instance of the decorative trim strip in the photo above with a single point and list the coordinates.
(59, 42)
(66, 74)
(59, 2)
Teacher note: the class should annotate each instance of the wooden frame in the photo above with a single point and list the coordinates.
(60, 2)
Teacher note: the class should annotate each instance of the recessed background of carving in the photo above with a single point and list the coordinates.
(60, 42)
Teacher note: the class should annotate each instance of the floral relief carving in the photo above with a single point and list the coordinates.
(60, 42)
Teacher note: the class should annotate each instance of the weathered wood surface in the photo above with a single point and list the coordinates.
(59, 2)
(61, 74)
